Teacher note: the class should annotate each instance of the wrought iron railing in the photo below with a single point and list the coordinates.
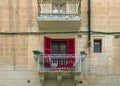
(59, 62)
(59, 7)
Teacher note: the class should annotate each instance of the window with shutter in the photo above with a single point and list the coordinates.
(97, 45)
(58, 46)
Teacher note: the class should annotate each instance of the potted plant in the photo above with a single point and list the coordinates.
(36, 54)
(83, 55)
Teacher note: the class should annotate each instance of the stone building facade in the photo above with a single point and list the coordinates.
(17, 65)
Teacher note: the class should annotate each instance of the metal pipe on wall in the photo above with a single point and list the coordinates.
(89, 23)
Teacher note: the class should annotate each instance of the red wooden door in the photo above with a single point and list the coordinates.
(70, 52)
(47, 50)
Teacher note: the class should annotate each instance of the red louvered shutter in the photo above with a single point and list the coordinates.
(47, 45)
(70, 50)
(71, 46)
(47, 50)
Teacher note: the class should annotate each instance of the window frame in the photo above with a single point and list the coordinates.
(100, 46)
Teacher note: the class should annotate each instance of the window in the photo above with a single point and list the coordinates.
(60, 46)
(97, 45)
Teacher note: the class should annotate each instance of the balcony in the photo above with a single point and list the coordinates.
(59, 66)
(59, 15)
(58, 63)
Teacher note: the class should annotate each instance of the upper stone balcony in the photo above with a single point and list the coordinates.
(59, 15)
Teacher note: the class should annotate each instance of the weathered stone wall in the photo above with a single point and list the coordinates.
(105, 15)
(16, 58)
(18, 15)
(102, 69)
(17, 65)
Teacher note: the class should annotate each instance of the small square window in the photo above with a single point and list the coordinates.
(97, 45)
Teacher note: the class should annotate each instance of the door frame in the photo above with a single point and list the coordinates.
(69, 50)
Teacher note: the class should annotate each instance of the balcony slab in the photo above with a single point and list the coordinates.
(58, 23)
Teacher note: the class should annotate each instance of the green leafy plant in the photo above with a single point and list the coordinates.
(83, 52)
(36, 52)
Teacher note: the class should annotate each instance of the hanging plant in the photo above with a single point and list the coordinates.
(36, 54)
(83, 53)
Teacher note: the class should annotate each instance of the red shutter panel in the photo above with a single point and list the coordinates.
(70, 50)
(47, 45)
(71, 46)
(100, 45)
(47, 50)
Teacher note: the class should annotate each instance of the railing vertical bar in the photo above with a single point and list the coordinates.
(80, 63)
(38, 64)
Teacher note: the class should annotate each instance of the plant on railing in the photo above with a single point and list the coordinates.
(83, 55)
(37, 54)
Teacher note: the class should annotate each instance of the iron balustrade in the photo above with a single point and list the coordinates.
(59, 62)
(56, 7)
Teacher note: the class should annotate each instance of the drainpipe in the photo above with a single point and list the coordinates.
(89, 23)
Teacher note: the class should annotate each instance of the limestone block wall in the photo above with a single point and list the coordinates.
(17, 65)
(16, 58)
(105, 15)
(13, 78)
(102, 69)
(18, 15)
(14, 52)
